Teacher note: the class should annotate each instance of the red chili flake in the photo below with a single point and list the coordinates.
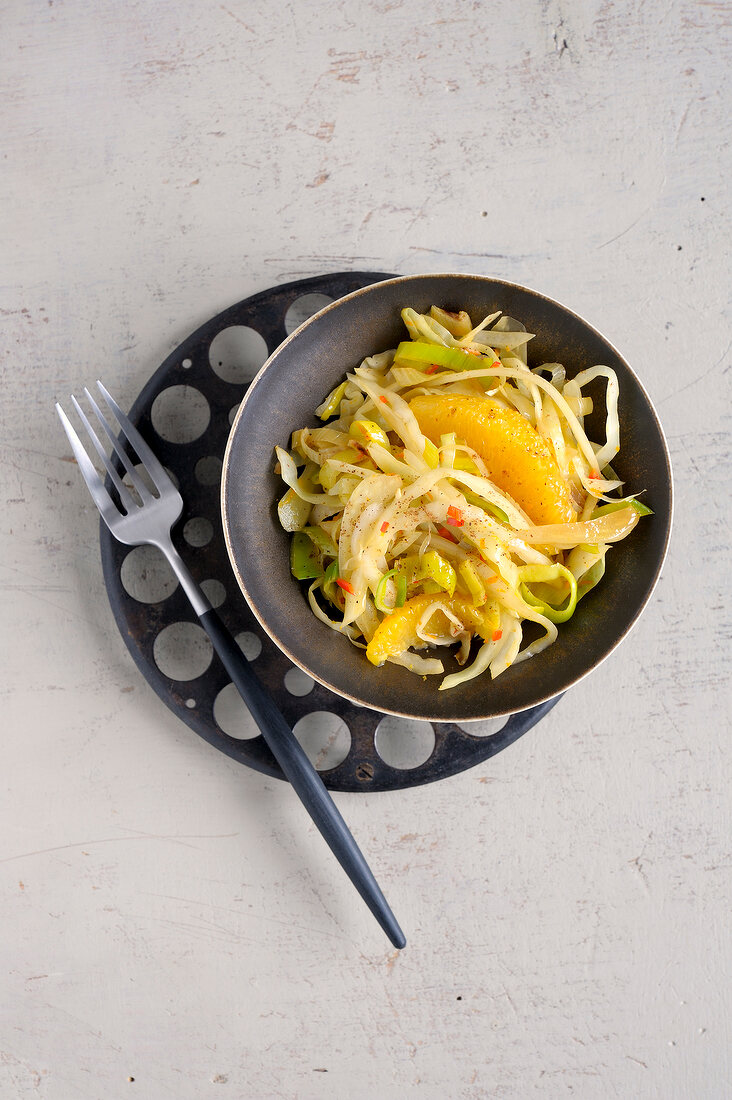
(384, 527)
(433, 369)
(493, 578)
(383, 399)
(455, 516)
(446, 534)
(345, 585)
(594, 474)
(497, 635)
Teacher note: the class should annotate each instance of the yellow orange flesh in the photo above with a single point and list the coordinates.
(518, 460)
(398, 631)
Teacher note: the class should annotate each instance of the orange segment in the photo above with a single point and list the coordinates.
(518, 460)
(398, 631)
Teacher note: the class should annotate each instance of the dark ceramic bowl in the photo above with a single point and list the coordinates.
(282, 398)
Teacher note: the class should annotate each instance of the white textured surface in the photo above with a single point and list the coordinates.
(169, 916)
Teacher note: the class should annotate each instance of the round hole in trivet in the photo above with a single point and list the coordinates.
(486, 728)
(187, 364)
(325, 738)
(236, 353)
(208, 470)
(298, 682)
(214, 592)
(147, 576)
(249, 644)
(303, 308)
(404, 742)
(182, 651)
(180, 414)
(190, 703)
(198, 531)
(232, 715)
(233, 411)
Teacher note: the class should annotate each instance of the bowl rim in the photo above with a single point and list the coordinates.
(371, 288)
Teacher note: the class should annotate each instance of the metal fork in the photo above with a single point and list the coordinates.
(150, 521)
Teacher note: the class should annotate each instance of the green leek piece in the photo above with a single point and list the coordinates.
(431, 455)
(304, 558)
(344, 487)
(293, 511)
(400, 581)
(496, 511)
(592, 577)
(368, 431)
(322, 540)
(464, 462)
(411, 566)
(474, 584)
(329, 583)
(332, 402)
(479, 502)
(532, 574)
(328, 476)
(616, 505)
(447, 448)
(416, 353)
(437, 569)
(352, 455)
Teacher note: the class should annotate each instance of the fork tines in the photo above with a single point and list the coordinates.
(158, 475)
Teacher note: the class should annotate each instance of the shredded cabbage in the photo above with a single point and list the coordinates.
(418, 547)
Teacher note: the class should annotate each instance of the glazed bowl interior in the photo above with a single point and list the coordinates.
(283, 397)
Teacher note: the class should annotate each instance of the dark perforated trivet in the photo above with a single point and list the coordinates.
(191, 365)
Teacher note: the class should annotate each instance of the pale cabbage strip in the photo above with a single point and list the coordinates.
(610, 528)
(390, 527)
(415, 662)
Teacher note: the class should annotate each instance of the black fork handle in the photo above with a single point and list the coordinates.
(302, 775)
